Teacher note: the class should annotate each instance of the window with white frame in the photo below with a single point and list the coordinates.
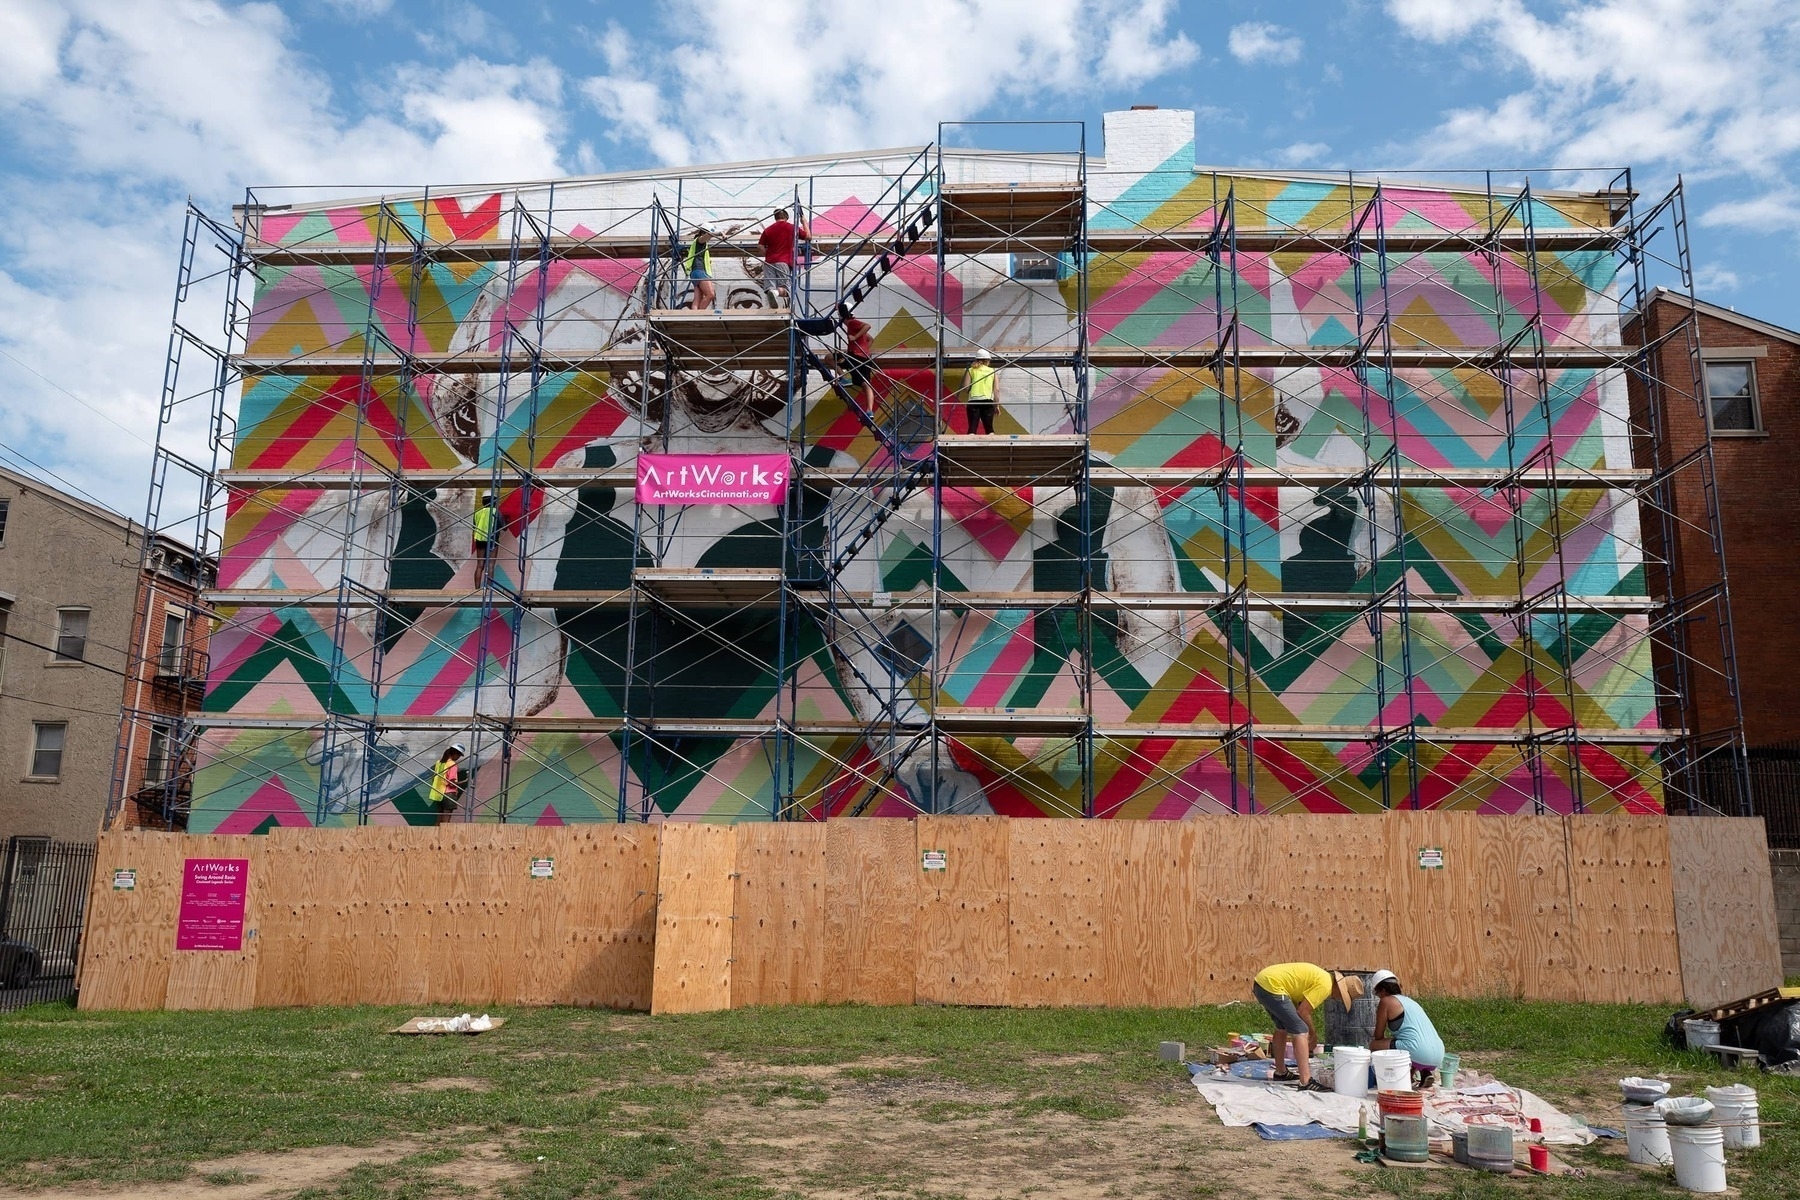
(71, 634)
(1731, 395)
(156, 758)
(1041, 267)
(47, 742)
(169, 661)
(5, 503)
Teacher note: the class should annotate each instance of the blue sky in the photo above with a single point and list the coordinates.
(113, 112)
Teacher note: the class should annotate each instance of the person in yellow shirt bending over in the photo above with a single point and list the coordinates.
(1291, 994)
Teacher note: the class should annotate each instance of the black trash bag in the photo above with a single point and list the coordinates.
(1675, 1032)
(1772, 1031)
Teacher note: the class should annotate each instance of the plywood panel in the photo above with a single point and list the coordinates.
(1435, 913)
(871, 910)
(693, 924)
(1527, 946)
(222, 979)
(1056, 908)
(963, 935)
(1233, 931)
(777, 941)
(1622, 910)
(1724, 908)
(1147, 903)
(129, 937)
(611, 947)
(1330, 893)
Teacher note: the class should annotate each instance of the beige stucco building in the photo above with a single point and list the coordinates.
(72, 650)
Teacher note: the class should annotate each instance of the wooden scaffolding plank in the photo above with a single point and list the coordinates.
(1623, 910)
(964, 942)
(871, 910)
(714, 587)
(1724, 909)
(1055, 906)
(693, 918)
(1010, 460)
(777, 941)
(1147, 903)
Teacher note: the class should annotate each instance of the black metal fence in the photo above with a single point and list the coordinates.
(43, 897)
(1774, 774)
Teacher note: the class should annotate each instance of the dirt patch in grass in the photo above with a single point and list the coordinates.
(240, 1177)
(483, 1166)
(452, 1083)
(879, 1134)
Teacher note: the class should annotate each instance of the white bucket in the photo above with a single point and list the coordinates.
(1646, 1136)
(1735, 1111)
(1350, 1071)
(1699, 1157)
(1701, 1034)
(1393, 1070)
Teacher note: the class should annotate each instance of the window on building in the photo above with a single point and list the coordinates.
(47, 739)
(71, 634)
(1731, 396)
(5, 611)
(169, 661)
(1036, 266)
(5, 503)
(156, 760)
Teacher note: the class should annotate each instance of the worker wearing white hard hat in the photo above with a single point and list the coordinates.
(983, 383)
(1401, 1024)
(446, 782)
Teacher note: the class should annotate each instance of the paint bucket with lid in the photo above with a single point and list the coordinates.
(1491, 1148)
(1393, 1070)
(1699, 1157)
(1735, 1111)
(1350, 1071)
(1405, 1139)
(1646, 1136)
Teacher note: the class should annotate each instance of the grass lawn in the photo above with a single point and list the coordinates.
(838, 1102)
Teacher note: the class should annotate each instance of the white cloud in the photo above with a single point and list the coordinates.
(1300, 154)
(362, 8)
(735, 86)
(117, 112)
(1710, 278)
(1778, 208)
(1259, 41)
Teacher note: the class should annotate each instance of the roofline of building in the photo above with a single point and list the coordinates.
(1095, 163)
(1682, 299)
(126, 525)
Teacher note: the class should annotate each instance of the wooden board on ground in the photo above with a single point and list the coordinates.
(871, 910)
(778, 939)
(693, 922)
(412, 1027)
(1724, 908)
(964, 943)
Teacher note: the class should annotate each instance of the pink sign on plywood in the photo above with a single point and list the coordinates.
(213, 891)
(712, 478)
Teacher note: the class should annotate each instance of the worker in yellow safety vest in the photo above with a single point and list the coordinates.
(699, 267)
(446, 783)
(983, 393)
(487, 524)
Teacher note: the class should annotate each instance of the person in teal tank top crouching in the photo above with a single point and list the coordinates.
(1401, 1024)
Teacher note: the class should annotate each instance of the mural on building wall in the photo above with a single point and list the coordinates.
(1307, 666)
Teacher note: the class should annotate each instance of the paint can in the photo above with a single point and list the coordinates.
(1735, 1110)
(1699, 1157)
(1350, 1071)
(1491, 1148)
(1405, 1139)
(1701, 1034)
(1646, 1136)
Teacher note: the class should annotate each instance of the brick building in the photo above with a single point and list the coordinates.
(73, 646)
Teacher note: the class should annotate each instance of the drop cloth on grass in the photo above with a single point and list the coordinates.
(1243, 1095)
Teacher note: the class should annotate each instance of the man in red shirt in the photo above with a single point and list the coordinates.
(777, 242)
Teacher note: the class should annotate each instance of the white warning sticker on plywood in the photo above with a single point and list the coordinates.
(1431, 858)
(934, 860)
(543, 868)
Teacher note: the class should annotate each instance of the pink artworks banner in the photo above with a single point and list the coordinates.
(212, 904)
(712, 478)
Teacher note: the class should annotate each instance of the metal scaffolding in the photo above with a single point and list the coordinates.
(861, 648)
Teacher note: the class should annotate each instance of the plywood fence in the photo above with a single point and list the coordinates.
(686, 918)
